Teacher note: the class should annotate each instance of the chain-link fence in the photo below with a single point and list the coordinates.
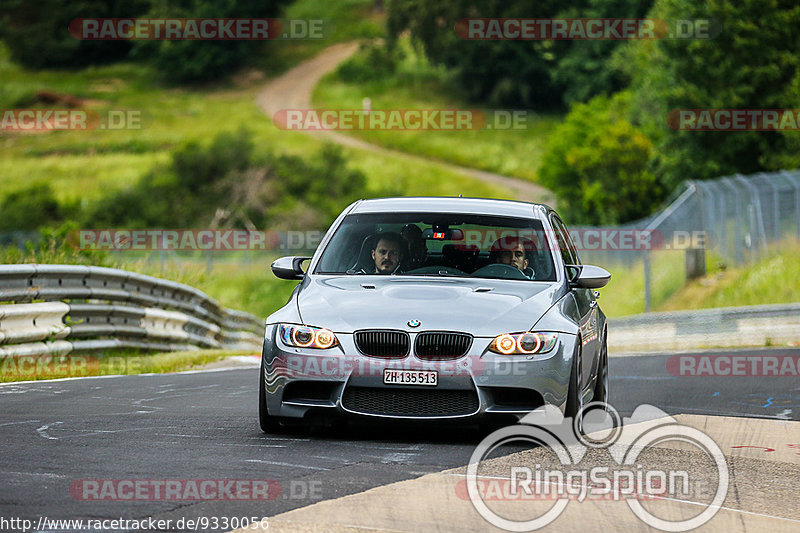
(732, 220)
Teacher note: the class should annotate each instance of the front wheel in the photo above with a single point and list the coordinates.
(574, 406)
(268, 423)
(601, 386)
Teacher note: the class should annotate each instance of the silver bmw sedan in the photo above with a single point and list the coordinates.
(432, 309)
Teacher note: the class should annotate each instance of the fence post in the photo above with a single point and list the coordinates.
(647, 281)
(695, 263)
(791, 176)
(738, 202)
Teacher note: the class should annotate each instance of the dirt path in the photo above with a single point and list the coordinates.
(293, 90)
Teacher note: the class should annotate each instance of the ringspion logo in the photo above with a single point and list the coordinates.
(599, 427)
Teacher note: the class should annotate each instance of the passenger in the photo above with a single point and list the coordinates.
(417, 251)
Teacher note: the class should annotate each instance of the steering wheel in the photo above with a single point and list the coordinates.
(499, 270)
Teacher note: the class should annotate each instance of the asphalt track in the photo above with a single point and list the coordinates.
(203, 425)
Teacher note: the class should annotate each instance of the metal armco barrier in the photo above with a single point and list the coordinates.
(757, 325)
(58, 309)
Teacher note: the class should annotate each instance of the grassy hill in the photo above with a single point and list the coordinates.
(770, 280)
(416, 84)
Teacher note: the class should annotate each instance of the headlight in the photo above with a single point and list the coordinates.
(526, 343)
(307, 336)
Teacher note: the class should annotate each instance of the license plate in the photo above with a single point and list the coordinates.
(410, 377)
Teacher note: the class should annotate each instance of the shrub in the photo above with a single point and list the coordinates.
(29, 208)
(596, 162)
(36, 32)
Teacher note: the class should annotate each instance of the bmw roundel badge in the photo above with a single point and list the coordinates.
(414, 323)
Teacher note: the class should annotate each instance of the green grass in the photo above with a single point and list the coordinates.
(624, 294)
(343, 20)
(108, 363)
(85, 164)
(419, 85)
(246, 283)
(771, 280)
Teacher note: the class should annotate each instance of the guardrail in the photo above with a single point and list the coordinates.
(757, 325)
(58, 309)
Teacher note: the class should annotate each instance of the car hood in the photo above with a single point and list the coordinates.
(481, 307)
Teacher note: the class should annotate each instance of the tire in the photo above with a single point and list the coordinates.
(574, 405)
(601, 386)
(268, 423)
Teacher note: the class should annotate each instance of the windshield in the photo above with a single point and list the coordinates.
(434, 244)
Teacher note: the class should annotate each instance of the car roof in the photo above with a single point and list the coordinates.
(441, 204)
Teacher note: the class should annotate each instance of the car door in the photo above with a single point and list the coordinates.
(586, 302)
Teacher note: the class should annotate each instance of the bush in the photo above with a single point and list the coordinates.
(29, 208)
(55, 245)
(597, 164)
(371, 62)
(228, 183)
(199, 60)
(36, 32)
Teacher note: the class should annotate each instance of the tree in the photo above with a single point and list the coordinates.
(37, 35)
(584, 70)
(596, 162)
(536, 74)
(500, 73)
(753, 63)
(202, 60)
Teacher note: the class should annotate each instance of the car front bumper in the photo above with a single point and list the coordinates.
(480, 384)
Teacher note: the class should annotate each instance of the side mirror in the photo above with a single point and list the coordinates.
(289, 267)
(588, 276)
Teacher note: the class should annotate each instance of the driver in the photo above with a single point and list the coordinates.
(388, 253)
(512, 251)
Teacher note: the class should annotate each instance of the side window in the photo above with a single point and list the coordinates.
(568, 252)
